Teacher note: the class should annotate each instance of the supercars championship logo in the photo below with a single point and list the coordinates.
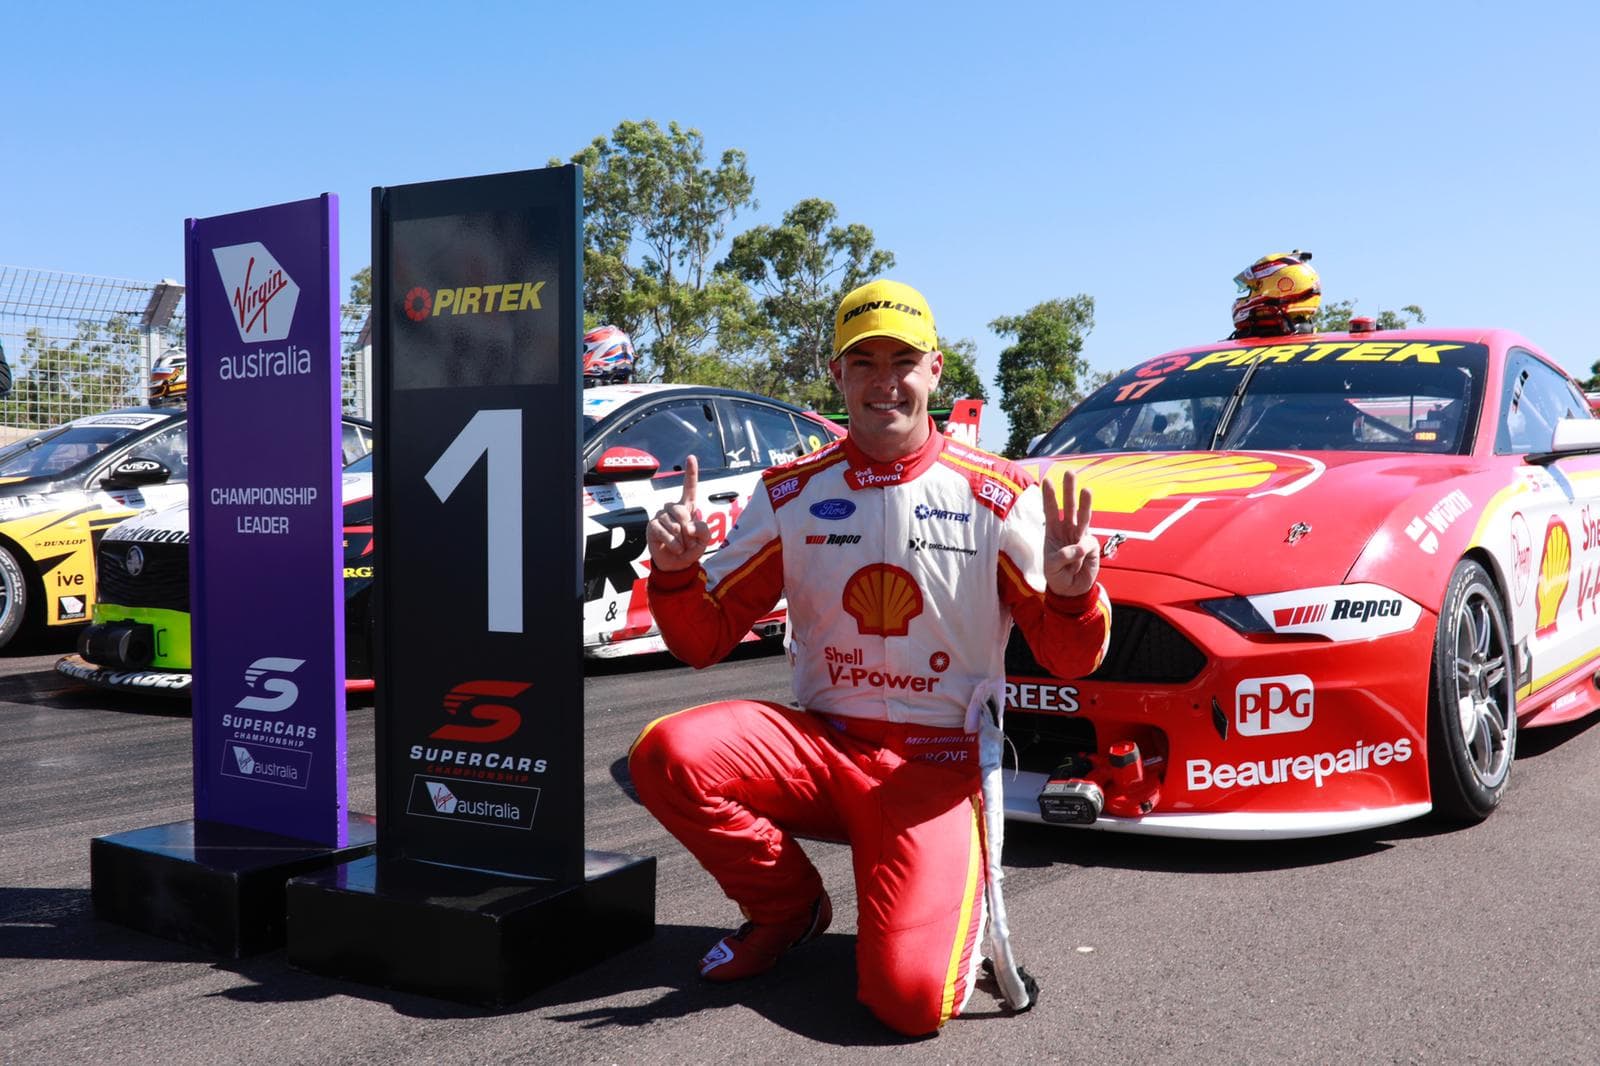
(469, 784)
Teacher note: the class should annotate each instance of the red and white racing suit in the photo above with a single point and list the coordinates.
(902, 581)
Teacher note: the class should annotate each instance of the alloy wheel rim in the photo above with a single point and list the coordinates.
(1483, 687)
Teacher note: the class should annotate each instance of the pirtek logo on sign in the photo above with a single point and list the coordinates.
(262, 294)
(420, 303)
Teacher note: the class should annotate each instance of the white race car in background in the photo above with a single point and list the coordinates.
(637, 439)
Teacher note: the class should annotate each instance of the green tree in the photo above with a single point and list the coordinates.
(97, 370)
(960, 379)
(654, 215)
(1044, 373)
(799, 270)
(1335, 317)
(361, 286)
(1593, 384)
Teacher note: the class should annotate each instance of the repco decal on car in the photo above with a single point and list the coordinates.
(1339, 612)
(486, 704)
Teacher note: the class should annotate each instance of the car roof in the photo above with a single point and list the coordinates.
(601, 400)
(1494, 338)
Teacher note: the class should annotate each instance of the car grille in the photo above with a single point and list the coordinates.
(1145, 648)
(163, 582)
(1041, 741)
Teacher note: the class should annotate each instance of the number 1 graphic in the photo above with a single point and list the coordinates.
(497, 434)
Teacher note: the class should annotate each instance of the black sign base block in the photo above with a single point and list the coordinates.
(214, 886)
(467, 935)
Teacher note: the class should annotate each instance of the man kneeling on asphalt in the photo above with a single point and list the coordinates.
(904, 557)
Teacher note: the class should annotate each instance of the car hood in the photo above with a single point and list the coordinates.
(1244, 522)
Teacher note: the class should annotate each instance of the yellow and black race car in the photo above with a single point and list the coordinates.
(62, 488)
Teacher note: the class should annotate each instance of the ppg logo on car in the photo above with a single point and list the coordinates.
(1267, 706)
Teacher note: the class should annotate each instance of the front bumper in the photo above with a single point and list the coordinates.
(160, 682)
(1249, 737)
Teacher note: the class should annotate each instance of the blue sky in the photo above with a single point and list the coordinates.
(1442, 154)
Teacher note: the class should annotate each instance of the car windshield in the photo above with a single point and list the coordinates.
(1324, 395)
(362, 465)
(59, 450)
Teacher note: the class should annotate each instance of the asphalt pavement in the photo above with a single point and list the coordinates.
(1414, 944)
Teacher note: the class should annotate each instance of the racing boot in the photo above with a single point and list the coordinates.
(755, 948)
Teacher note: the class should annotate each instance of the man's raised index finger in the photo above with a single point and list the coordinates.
(691, 481)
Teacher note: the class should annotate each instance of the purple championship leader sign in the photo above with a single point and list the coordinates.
(266, 607)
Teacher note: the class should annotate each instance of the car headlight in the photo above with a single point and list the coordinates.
(1239, 613)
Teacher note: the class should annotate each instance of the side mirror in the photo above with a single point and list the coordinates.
(1576, 434)
(1572, 436)
(133, 472)
(622, 464)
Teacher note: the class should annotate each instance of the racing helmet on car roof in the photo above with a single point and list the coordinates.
(168, 382)
(1278, 294)
(607, 356)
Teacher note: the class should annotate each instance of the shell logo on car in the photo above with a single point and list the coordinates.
(1141, 495)
(1555, 573)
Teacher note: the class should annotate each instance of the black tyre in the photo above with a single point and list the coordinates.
(13, 597)
(1472, 700)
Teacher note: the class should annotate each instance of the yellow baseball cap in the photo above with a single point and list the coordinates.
(884, 308)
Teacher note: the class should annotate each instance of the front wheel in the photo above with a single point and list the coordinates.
(13, 597)
(1472, 700)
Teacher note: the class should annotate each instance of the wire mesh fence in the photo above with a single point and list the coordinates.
(80, 344)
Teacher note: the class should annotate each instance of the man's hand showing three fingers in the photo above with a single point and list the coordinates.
(1071, 552)
(677, 535)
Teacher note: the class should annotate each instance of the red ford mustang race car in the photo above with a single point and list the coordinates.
(1345, 570)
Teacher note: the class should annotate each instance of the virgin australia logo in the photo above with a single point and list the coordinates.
(261, 293)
